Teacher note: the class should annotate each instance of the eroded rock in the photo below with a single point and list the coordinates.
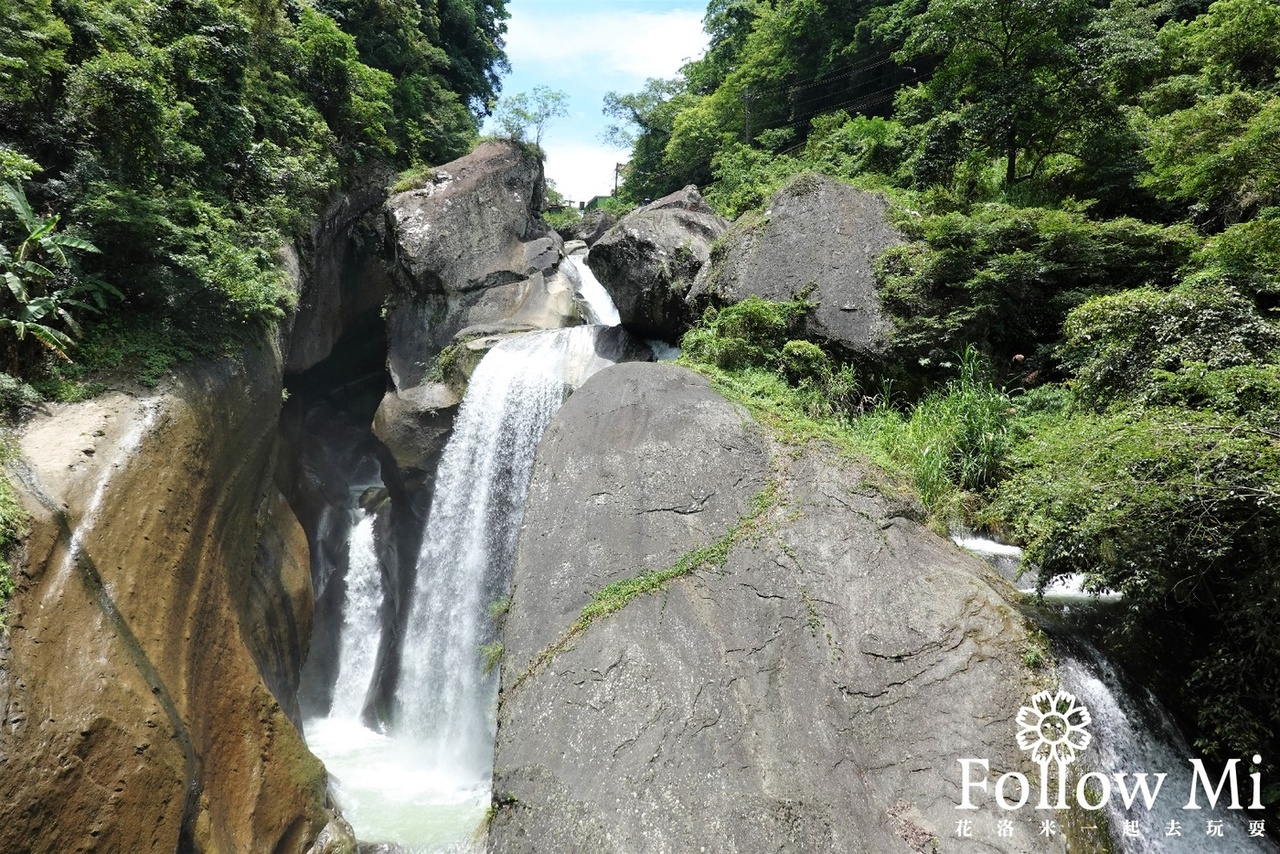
(648, 261)
(809, 696)
(137, 713)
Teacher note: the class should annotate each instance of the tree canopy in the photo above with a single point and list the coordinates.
(188, 137)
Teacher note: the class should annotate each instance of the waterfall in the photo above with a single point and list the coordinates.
(1132, 733)
(424, 785)
(361, 629)
(600, 305)
(446, 699)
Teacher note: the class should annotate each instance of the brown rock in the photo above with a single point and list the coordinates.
(137, 717)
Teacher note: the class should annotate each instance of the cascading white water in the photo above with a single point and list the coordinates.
(1007, 560)
(361, 629)
(599, 304)
(425, 784)
(446, 699)
(1132, 734)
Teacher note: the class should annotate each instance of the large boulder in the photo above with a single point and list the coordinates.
(809, 687)
(593, 226)
(648, 262)
(816, 238)
(471, 257)
(470, 249)
(162, 611)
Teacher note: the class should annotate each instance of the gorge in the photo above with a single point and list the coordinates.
(701, 633)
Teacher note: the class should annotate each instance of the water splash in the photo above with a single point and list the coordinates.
(1133, 734)
(1066, 589)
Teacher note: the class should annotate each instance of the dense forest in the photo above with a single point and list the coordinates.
(155, 154)
(1085, 354)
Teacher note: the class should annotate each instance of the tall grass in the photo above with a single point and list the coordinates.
(952, 442)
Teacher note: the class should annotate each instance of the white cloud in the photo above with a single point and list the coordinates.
(628, 44)
(581, 170)
(586, 49)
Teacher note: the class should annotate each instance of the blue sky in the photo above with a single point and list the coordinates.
(586, 48)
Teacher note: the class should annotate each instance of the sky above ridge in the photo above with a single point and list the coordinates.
(586, 48)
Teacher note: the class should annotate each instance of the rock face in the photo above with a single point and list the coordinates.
(813, 695)
(648, 261)
(339, 271)
(470, 250)
(471, 255)
(819, 238)
(150, 624)
(593, 226)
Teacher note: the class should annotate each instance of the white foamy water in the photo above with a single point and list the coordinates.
(1007, 560)
(599, 304)
(425, 785)
(1134, 734)
(361, 628)
(445, 697)
(391, 792)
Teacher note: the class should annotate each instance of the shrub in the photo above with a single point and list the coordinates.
(1180, 512)
(749, 333)
(1005, 278)
(16, 396)
(1116, 344)
(803, 360)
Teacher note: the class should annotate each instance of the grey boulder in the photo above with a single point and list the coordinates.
(813, 694)
(816, 238)
(648, 262)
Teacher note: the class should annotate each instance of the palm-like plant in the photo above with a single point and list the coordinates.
(40, 278)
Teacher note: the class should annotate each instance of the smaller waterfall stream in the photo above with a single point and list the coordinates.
(599, 303)
(1132, 734)
(361, 630)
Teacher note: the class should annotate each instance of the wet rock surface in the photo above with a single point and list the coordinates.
(138, 714)
(812, 695)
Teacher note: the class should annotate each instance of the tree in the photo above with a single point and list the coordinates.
(41, 286)
(1011, 74)
(515, 114)
(643, 122)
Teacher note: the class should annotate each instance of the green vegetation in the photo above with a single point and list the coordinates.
(527, 113)
(189, 139)
(14, 522)
(1085, 344)
(490, 656)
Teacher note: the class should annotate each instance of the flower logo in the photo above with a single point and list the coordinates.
(1052, 727)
